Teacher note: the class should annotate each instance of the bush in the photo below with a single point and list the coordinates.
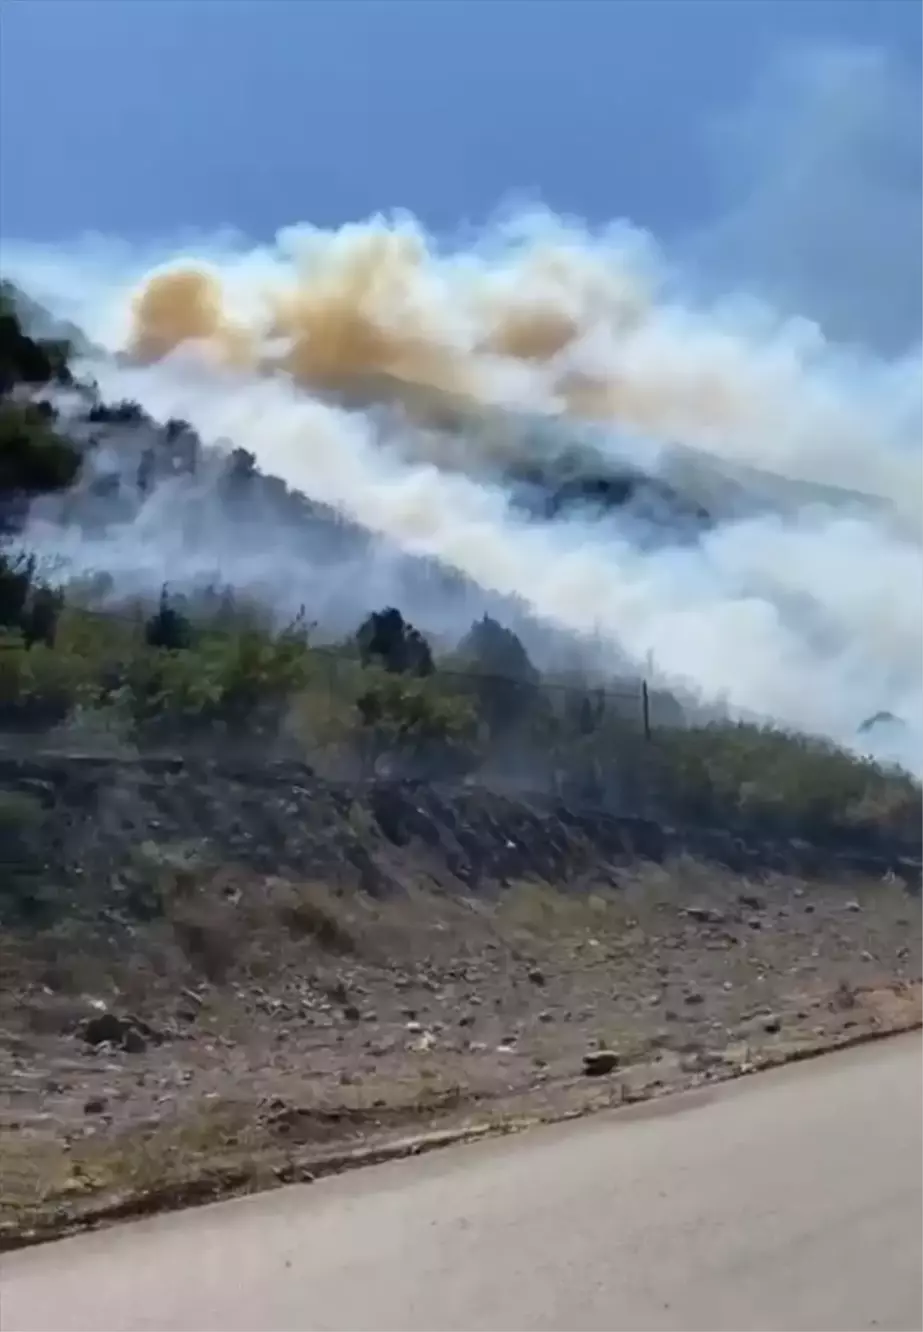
(34, 460)
(177, 678)
(387, 640)
(792, 785)
(25, 360)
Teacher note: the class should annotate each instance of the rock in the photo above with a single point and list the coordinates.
(772, 1024)
(700, 1060)
(546, 1016)
(536, 975)
(853, 906)
(96, 1105)
(695, 997)
(751, 901)
(109, 1031)
(704, 915)
(105, 1028)
(133, 1042)
(596, 1063)
(351, 1013)
(755, 923)
(414, 1028)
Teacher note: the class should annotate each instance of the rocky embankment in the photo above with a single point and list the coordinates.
(218, 975)
(68, 819)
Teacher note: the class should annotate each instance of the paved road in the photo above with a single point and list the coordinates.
(789, 1200)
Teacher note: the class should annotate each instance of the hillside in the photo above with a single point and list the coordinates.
(571, 466)
(292, 871)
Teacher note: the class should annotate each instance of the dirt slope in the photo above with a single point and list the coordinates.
(216, 978)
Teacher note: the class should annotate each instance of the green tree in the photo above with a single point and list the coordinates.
(386, 639)
(23, 360)
(494, 669)
(16, 575)
(34, 459)
(416, 724)
(168, 629)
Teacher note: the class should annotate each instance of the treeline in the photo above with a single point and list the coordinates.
(215, 673)
(34, 457)
(214, 669)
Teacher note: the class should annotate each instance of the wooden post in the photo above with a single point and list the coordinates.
(645, 710)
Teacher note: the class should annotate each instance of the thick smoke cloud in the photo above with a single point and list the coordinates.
(559, 321)
(812, 618)
(809, 615)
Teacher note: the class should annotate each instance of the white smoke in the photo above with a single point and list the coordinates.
(812, 619)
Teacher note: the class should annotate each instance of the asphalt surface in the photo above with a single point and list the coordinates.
(788, 1200)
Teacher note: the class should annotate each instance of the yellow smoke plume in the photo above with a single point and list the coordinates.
(373, 304)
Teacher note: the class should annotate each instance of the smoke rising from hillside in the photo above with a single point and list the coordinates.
(811, 618)
(542, 316)
(810, 615)
(558, 322)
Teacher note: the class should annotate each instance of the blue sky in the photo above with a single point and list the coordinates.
(144, 117)
(138, 116)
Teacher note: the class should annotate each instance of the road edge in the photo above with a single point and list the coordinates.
(209, 1187)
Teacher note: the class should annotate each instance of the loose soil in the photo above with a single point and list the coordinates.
(259, 1029)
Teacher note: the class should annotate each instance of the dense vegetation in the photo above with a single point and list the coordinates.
(215, 673)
